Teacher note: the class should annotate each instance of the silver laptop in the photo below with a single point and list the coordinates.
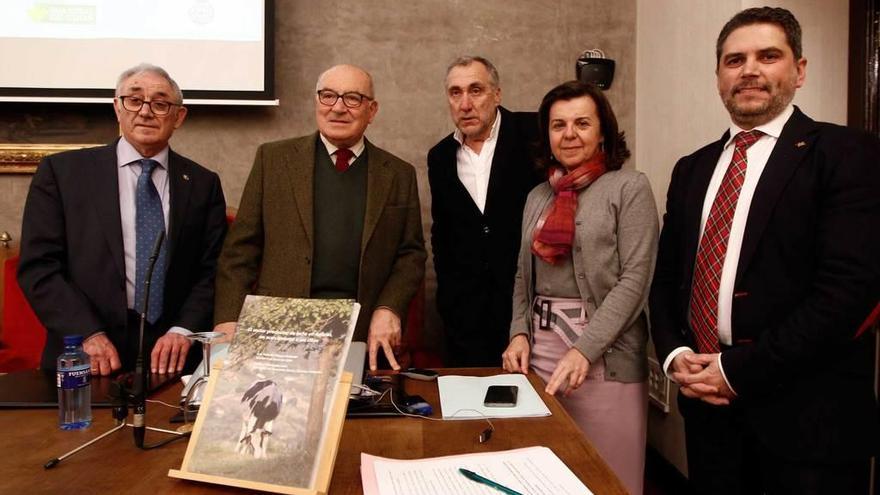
(354, 364)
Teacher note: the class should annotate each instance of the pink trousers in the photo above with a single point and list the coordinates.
(612, 415)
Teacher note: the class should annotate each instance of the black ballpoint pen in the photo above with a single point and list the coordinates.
(486, 481)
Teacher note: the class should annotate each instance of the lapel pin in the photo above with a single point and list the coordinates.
(186, 177)
(801, 144)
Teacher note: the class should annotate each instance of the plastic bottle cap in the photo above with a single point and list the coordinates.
(73, 339)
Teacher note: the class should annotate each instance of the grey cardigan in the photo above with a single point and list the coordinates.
(614, 251)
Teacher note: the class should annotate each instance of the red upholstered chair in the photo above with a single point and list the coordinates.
(22, 336)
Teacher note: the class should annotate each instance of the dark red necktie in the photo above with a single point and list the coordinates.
(343, 155)
(713, 247)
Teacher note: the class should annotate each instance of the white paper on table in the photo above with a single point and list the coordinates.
(461, 397)
(530, 471)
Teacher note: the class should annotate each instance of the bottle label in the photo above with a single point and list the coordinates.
(75, 377)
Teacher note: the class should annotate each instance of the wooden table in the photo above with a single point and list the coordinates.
(28, 438)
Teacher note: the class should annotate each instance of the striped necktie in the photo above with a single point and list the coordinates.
(713, 247)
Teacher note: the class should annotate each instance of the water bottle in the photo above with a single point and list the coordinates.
(74, 390)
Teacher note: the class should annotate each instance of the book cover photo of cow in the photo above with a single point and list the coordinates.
(266, 418)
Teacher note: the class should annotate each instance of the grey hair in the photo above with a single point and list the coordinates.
(467, 60)
(152, 69)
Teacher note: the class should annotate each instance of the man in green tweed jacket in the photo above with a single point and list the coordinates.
(329, 215)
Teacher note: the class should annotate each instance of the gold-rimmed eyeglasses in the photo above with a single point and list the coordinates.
(135, 103)
(352, 99)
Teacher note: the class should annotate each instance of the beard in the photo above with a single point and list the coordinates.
(752, 113)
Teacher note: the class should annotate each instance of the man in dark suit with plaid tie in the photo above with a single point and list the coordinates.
(767, 270)
(91, 220)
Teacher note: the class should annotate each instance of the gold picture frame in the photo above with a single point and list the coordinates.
(24, 158)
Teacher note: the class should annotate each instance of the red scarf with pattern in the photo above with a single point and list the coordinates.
(554, 232)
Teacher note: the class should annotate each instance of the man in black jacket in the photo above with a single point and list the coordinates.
(480, 176)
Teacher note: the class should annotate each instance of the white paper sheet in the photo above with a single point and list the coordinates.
(461, 397)
(530, 471)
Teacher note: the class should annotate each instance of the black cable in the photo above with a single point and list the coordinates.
(166, 441)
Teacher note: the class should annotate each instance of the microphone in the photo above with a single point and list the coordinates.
(140, 378)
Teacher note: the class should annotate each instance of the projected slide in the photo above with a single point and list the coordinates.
(208, 45)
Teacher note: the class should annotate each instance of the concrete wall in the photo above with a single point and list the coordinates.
(405, 45)
(678, 109)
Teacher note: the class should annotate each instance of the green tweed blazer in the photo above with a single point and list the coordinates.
(269, 248)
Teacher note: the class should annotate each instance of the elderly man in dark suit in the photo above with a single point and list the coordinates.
(768, 266)
(329, 215)
(480, 176)
(90, 223)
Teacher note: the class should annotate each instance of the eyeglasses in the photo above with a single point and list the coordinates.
(135, 103)
(352, 99)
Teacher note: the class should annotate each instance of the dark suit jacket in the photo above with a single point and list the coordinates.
(475, 253)
(269, 247)
(808, 274)
(72, 269)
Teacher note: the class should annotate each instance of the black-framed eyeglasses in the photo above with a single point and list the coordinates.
(135, 103)
(352, 99)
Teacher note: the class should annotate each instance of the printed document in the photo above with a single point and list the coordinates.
(530, 471)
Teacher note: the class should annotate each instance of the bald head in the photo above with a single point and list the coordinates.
(344, 122)
(349, 72)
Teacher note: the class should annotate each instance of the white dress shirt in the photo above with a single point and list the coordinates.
(756, 157)
(127, 158)
(474, 168)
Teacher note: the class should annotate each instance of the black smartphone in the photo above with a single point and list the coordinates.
(501, 396)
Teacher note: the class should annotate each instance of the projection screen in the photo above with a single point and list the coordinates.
(219, 51)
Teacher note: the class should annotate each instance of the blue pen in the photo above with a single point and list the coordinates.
(486, 481)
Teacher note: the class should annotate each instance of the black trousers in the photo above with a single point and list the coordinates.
(477, 344)
(473, 354)
(725, 457)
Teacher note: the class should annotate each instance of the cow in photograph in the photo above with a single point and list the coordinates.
(262, 403)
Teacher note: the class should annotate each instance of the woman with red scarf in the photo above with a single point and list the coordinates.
(585, 266)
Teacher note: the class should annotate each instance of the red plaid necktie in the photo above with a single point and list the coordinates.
(713, 247)
(343, 155)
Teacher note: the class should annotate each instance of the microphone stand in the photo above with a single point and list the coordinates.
(140, 378)
(137, 396)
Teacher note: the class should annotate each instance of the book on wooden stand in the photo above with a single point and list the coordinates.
(271, 418)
